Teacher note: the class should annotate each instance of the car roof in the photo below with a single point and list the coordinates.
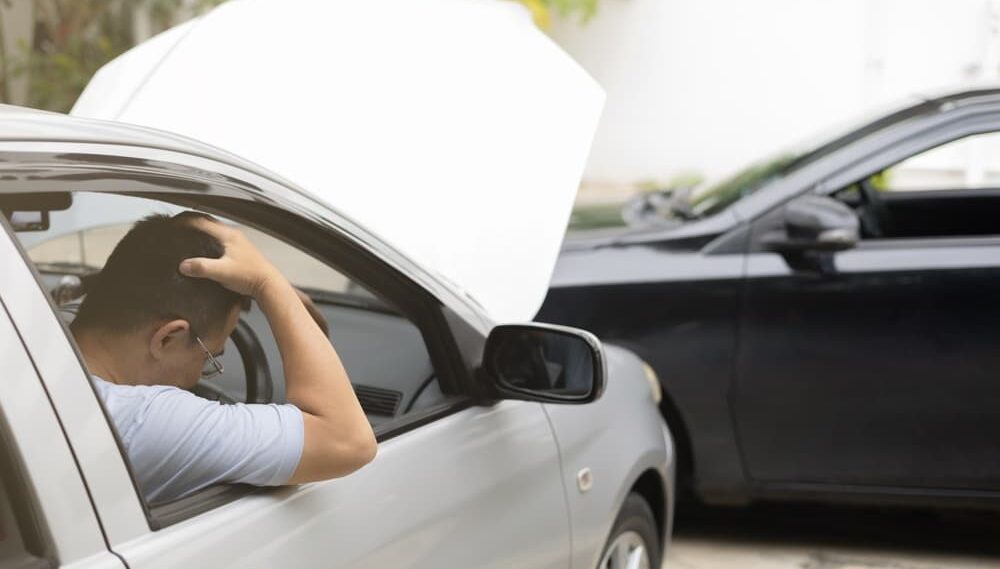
(917, 105)
(25, 124)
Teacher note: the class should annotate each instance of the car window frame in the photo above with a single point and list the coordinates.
(67, 521)
(34, 545)
(242, 201)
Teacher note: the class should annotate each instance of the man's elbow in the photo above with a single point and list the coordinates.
(365, 450)
(350, 456)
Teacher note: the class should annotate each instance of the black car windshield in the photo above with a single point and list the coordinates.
(712, 198)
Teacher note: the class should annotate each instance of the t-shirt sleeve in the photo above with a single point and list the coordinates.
(185, 443)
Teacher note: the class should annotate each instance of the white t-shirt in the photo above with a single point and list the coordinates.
(178, 442)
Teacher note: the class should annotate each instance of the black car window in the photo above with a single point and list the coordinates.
(968, 163)
(950, 190)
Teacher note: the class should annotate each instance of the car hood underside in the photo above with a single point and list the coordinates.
(453, 129)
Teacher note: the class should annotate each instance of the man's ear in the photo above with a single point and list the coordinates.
(168, 336)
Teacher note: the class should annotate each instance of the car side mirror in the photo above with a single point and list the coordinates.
(816, 223)
(544, 362)
(815, 227)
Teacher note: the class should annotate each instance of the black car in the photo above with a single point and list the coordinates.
(825, 323)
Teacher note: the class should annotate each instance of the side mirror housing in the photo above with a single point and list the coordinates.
(545, 363)
(816, 223)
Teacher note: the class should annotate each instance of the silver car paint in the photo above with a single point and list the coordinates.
(37, 440)
(479, 488)
(610, 437)
(482, 487)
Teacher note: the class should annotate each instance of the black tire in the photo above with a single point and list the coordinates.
(636, 516)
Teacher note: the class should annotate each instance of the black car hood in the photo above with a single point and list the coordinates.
(637, 254)
(668, 233)
(594, 238)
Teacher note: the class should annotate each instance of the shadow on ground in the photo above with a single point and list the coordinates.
(827, 537)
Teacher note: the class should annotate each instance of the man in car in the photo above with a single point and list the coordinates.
(154, 322)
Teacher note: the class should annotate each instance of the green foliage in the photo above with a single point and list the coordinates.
(686, 179)
(718, 197)
(74, 38)
(542, 10)
(589, 217)
(585, 9)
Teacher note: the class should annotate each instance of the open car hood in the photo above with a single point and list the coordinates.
(453, 129)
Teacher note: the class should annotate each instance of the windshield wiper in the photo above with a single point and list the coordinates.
(680, 204)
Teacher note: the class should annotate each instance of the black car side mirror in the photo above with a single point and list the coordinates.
(544, 362)
(817, 223)
(815, 227)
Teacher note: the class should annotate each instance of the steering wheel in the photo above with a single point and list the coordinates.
(876, 218)
(260, 387)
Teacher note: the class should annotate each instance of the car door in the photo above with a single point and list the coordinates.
(455, 485)
(881, 371)
(45, 513)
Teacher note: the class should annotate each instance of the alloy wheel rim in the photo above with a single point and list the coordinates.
(627, 551)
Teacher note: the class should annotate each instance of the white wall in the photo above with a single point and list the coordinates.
(708, 85)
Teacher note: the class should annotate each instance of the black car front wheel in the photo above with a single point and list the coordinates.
(634, 542)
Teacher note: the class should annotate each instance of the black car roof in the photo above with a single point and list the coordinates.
(916, 106)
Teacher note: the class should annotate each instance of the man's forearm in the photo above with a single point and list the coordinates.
(315, 378)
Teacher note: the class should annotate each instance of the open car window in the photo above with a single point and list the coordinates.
(383, 350)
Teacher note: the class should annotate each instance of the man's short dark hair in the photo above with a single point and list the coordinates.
(141, 283)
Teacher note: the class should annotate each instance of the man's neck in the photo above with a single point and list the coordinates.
(103, 357)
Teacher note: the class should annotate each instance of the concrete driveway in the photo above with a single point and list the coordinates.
(812, 537)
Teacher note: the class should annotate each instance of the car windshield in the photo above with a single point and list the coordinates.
(711, 198)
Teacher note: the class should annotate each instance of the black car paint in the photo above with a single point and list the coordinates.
(877, 382)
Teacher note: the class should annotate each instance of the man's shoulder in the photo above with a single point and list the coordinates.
(130, 404)
(107, 390)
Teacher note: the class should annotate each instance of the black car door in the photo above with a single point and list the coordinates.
(883, 369)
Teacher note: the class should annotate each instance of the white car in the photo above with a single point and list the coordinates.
(503, 446)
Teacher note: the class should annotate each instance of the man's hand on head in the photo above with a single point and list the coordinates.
(242, 269)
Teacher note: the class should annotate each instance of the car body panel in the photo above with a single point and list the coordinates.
(389, 123)
(596, 439)
(691, 345)
(457, 493)
(918, 413)
(38, 440)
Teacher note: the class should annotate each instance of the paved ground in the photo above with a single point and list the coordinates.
(810, 537)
